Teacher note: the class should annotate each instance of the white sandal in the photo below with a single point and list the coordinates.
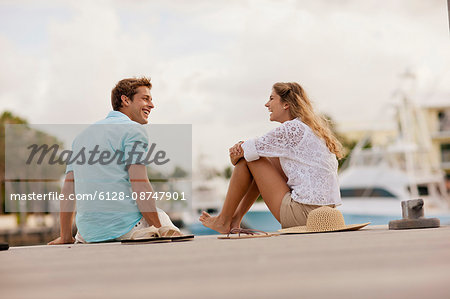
(145, 233)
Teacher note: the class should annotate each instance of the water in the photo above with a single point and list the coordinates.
(384, 220)
(264, 220)
(198, 229)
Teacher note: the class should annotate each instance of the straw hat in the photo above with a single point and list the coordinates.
(323, 219)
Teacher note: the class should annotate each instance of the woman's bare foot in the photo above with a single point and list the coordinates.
(236, 222)
(215, 223)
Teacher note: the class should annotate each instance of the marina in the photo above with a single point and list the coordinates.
(231, 120)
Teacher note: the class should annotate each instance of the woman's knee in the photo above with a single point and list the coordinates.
(260, 160)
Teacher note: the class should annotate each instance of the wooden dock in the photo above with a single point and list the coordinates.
(372, 263)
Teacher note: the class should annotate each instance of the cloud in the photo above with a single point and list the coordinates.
(213, 63)
(19, 85)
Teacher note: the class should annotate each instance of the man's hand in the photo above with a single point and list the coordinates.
(60, 240)
(236, 152)
(67, 212)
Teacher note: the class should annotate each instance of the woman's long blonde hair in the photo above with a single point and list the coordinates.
(300, 106)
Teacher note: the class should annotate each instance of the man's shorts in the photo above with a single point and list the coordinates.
(293, 213)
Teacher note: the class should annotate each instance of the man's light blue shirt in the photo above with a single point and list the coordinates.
(101, 219)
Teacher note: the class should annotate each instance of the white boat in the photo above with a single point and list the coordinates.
(375, 180)
(208, 194)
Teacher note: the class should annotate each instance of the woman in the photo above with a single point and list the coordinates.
(293, 167)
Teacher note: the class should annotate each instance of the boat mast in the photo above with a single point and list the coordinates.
(415, 139)
(406, 134)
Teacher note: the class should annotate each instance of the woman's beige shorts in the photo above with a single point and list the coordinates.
(293, 213)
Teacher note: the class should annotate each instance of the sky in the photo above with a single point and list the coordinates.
(213, 63)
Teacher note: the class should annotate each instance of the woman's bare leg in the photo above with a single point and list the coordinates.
(240, 182)
(252, 195)
(270, 182)
(249, 199)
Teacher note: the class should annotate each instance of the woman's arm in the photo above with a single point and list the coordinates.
(236, 152)
(277, 143)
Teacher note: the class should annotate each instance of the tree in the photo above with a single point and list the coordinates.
(6, 118)
(19, 137)
(179, 172)
(347, 144)
(227, 172)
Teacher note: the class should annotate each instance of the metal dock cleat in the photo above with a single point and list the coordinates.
(413, 217)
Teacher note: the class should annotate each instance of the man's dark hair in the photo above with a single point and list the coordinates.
(127, 87)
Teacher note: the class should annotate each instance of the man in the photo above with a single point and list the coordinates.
(116, 211)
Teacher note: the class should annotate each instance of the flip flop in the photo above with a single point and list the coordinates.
(153, 235)
(170, 231)
(248, 234)
(181, 238)
(146, 236)
(145, 233)
(159, 240)
(147, 241)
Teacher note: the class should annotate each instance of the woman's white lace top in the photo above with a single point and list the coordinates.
(307, 162)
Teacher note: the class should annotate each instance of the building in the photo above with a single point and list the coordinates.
(434, 119)
(438, 120)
